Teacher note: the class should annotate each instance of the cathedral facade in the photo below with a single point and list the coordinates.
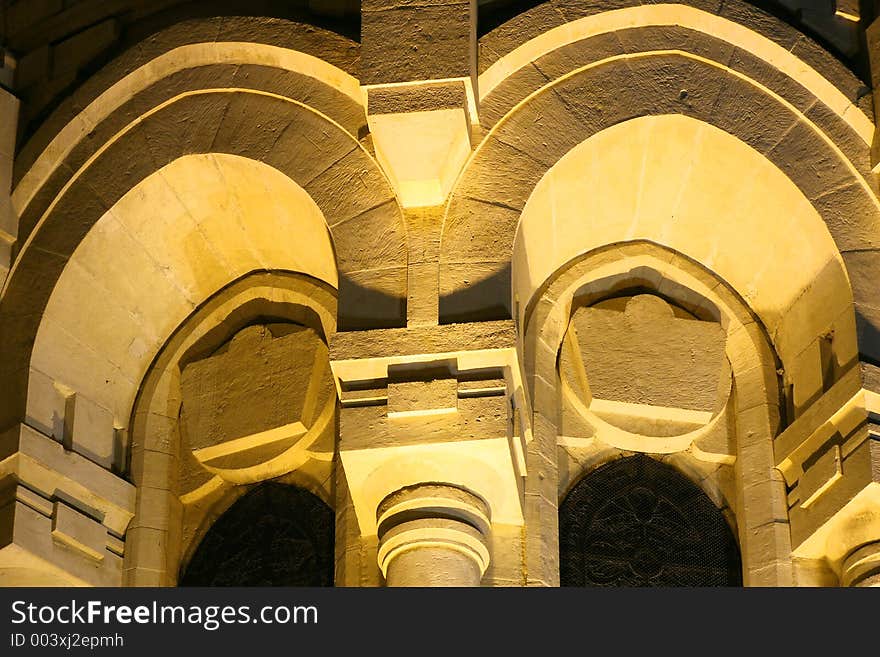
(439, 293)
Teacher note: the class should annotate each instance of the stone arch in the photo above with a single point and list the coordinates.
(754, 405)
(169, 244)
(515, 54)
(256, 50)
(78, 179)
(739, 227)
(596, 71)
(171, 514)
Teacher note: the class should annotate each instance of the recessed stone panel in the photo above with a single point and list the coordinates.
(255, 397)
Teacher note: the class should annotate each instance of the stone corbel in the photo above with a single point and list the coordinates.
(420, 92)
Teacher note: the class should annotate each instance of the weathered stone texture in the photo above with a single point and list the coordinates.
(257, 382)
(251, 249)
(404, 41)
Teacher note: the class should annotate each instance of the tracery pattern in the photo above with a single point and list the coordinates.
(275, 535)
(638, 522)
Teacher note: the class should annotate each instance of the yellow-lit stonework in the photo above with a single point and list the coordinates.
(498, 297)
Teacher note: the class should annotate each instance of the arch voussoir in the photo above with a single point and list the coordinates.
(525, 144)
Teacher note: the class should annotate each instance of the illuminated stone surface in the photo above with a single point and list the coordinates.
(431, 272)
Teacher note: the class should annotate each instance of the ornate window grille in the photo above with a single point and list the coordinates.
(638, 522)
(275, 535)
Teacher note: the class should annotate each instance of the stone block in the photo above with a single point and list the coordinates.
(148, 548)
(776, 574)
(64, 550)
(542, 541)
(474, 292)
(510, 91)
(820, 473)
(761, 22)
(813, 572)
(505, 564)
(413, 398)
(762, 503)
(145, 577)
(646, 355)
(422, 291)
(372, 299)
(352, 186)
(78, 531)
(47, 404)
(46, 467)
(501, 174)
(379, 347)
(836, 488)
(517, 30)
(154, 470)
(476, 231)
(755, 426)
(806, 374)
(806, 159)
(844, 135)
(255, 382)
(370, 240)
(403, 41)
(156, 508)
(88, 427)
(545, 128)
(478, 418)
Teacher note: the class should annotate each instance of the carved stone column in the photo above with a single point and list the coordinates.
(433, 535)
(432, 444)
(862, 566)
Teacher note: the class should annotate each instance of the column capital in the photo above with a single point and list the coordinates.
(862, 566)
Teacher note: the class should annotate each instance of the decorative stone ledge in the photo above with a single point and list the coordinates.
(63, 515)
(451, 413)
(827, 461)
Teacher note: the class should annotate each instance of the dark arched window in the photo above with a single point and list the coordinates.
(638, 522)
(275, 535)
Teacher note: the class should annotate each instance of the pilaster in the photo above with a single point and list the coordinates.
(431, 406)
(9, 108)
(418, 75)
